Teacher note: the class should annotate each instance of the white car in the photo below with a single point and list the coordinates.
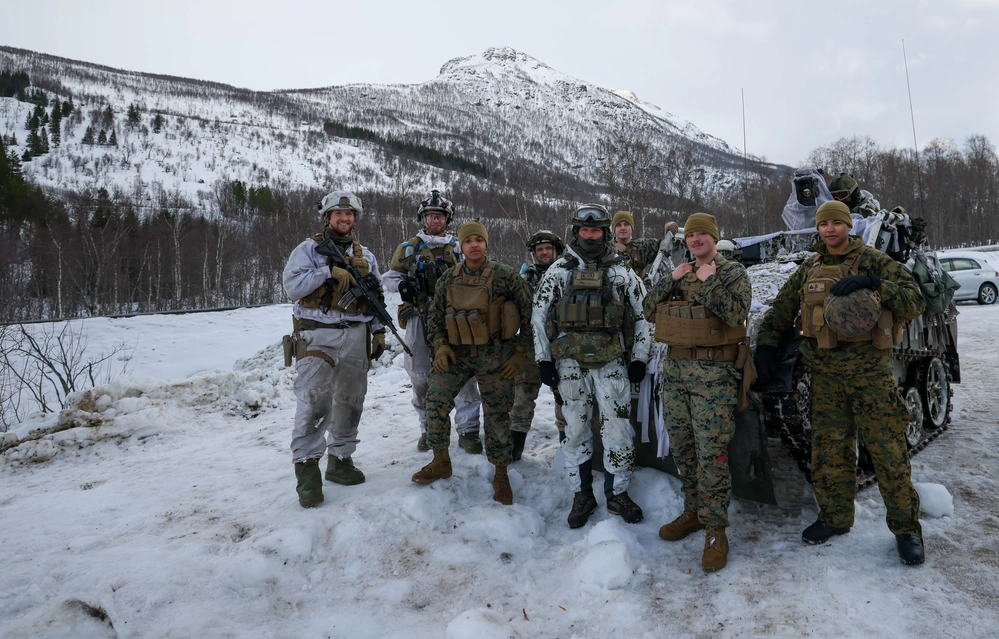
(976, 271)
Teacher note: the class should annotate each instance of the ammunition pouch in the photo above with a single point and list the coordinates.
(681, 324)
(473, 316)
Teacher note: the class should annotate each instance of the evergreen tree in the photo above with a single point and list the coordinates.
(56, 131)
(113, 140)
(43, 136)
(107, 117)
(133, 114)
(102, 138)
(67, 107)
(26, 156)
(56, 110)
(34, 143)
(88, 135)
(158, 123)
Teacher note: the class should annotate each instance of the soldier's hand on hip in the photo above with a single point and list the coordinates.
(549, 374)
(681, 270)
(852, 283)
(706, 271)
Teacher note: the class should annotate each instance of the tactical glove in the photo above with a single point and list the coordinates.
(852, 283)
(549, 374)
(377, 344)
(408, 312)
(511, 367)
(342, 278)
(407, 291)
(766, 364)
(444, 358)
(636, 371)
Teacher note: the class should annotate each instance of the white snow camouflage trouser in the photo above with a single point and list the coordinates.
(330, 398)
(466, 404)
(609, 389)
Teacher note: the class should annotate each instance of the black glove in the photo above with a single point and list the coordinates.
(636, 371)
(850, 284)
(407, 313)
(549, 374)
(766, 364)
(407, 291)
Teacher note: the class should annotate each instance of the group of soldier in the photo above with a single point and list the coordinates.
(581, 320)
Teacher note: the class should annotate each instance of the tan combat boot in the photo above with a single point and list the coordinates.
(681, 527)
(502, 492)
(439, 468)
(715, 549)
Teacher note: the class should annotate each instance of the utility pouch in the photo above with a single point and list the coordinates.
(883, 333)
(288, 344)
(300, 348)
(464, 330)
(453, 336)
(825, 337)
(478, 328)
(509, 320)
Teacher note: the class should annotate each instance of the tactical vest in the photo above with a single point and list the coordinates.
(591, 319)
(426, 265)
(694, 331)
(358, 261)
(474, 314)
(821, 278)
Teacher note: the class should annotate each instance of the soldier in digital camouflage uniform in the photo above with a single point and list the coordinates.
(593, 293)
(545, 248)
(846, 190)
(415, 268)
(853, 385)
(641, 252)
(479, 324)
(702, 317)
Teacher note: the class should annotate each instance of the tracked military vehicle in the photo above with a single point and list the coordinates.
(926, 361)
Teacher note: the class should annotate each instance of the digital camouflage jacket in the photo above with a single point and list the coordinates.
(899, 293)
(728, 293)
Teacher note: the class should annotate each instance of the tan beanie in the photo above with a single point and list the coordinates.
(834, 210)
(472, 228)
(623, 216)
(703, 222)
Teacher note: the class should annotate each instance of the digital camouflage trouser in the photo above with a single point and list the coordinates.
(842, 404)
(528, 387)
(699, 399)
(497, 398)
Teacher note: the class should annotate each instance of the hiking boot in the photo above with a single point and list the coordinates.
(715, 549)
(910, 549)
(519, 440)
(681, 527)
(622, 505)
(342, 471)
(820, 532)
(310, 483)
(422, 445)
(502, 492)
(470, 442)
(438, 468)
(583, 505)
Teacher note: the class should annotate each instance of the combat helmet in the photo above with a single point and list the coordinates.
(594, 215)
(344, 200)
(843, 187)
(545, 235)
(854, 314)
(435, 203)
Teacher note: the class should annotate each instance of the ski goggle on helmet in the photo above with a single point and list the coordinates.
(591, 215)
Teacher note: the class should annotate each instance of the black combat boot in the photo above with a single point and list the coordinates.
(519, 440)
(623, 506)
(470, 442)
(820, 532)
(310, 483)
(910, 549)
(342, 471)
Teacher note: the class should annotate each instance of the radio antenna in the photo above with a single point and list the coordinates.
(915, 145)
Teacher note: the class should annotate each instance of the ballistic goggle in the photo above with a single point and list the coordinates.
(593, 213)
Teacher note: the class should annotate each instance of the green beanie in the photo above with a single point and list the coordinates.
(834, 210)
(703, 222)
(623, 216)
(472, 228)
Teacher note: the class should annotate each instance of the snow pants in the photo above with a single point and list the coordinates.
(329, 399)
(608, 389)
(468, 400)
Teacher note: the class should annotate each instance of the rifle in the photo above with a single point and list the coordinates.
(367, 289)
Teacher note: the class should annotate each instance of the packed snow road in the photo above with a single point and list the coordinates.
(174, 514)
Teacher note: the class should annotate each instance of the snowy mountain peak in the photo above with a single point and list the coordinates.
(503, 58)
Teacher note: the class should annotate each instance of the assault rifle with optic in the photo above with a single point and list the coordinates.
(366, 289)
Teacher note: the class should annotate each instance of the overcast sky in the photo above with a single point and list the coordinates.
(812, 72)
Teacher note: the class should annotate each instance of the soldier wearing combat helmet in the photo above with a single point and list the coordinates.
(416, 266)
(591, 290)
(479, 325)
(853, 385)
(545, 248)
(700, 312)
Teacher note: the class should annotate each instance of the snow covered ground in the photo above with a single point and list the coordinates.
(174, 514)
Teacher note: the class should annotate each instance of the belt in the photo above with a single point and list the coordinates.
(311, 325)
(725, 353)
